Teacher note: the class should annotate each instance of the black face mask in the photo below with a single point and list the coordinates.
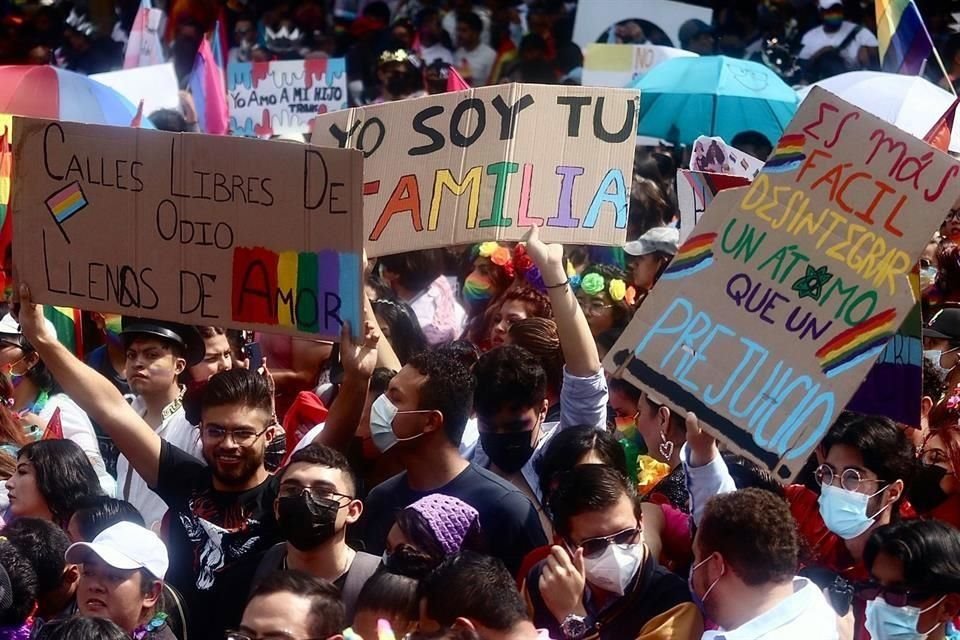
(396, 85)
(509, 451)
(925, 492)
(306, 522)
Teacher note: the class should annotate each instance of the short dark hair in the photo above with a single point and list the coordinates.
(568, 447)
(244, 387)
(448, 389)
(754, 139)
(508, 377)
(81, 628)
(929, 551)
(44, 544)
(323, 456)
(64, 475)
(746, 474)
(327, 614)
(588, 488)
(768, 552)
(96, 513)
(169, 120)
(210, 331)
(415, 269)
(472, 20)
(38, 374)
(882, 445)
(391, 593)
(380, 381)
(23, 585)
(476, 587)
(406, 336)
(934, 382)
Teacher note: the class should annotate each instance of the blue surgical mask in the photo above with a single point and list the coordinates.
(887, 622)
(845, 512)
(933, 356)
(928, 275)
(382, 413)
(699, 600)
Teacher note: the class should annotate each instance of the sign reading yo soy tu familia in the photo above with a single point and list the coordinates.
(209, 230)
(283, 96)
(777, 305)
(487, 164)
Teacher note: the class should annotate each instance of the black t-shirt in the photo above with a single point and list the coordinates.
(209, 532)
(508, 520)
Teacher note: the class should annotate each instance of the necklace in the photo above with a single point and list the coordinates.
(155, 623)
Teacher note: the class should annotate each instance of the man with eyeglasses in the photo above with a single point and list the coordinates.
(157, 352)
(602, 581)
(291, 605)
(220, 513)
(316, 503)
(865, 462)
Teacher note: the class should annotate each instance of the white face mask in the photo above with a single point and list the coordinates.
(887, 622)
(382, 413)
(934, 356)
(845, 512)
(615, 568)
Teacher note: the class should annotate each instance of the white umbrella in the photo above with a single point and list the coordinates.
(911, 103)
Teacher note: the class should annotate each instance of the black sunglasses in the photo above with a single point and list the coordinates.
(593, 547)
(894, 596)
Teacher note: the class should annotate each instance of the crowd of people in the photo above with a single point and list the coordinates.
(461, 466)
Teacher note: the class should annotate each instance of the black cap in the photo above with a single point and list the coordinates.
(184, 335)
(945, 324)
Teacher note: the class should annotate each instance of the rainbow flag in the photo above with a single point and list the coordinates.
(67, 323)
(209, 92)
(905, 43)
(858, 343)
(788, 154)
(694, 256)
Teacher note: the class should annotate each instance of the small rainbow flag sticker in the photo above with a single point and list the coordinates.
(695, 255)
(66, 203)
(788, 155)
(857, 344)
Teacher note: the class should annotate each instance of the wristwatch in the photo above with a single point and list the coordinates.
(573, 627)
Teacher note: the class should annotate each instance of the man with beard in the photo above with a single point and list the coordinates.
(316, 502)
(221, 513)
(157, 353)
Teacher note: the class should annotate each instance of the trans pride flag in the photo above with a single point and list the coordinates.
(905, 43)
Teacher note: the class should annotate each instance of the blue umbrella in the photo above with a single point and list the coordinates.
(683, 98)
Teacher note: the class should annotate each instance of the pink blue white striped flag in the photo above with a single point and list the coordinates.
(143, 46)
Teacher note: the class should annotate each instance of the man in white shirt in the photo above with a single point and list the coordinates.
(157, 353)
(745, 557)
(473, 59)
(855, 43)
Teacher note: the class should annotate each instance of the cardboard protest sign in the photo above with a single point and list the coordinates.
(156, 85)
(713, 155)
(209, 230)
(772, 312)
(695, 192)
(612, 21)
(618, 65)
(283, 96)
(487, 164)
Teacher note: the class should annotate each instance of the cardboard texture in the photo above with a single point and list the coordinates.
(618, 65)
(487, 164)
(156, 85)
(695, 192)
(283, 96)
(775, 308)
(207, 230)
(600, 23)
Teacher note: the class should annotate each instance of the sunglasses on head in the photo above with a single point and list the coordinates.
(894, 596)
(593, 547)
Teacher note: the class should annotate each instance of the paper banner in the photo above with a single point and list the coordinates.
(209, 230)
(618, 65)
(487, 164)
(713, 155)
(156, 85)
(776, 307)
(608, 21)
(283, 96)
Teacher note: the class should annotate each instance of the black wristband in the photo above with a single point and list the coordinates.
(557, 286)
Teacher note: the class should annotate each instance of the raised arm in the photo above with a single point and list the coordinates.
(92, 392)
(359, 361)
(576, 341)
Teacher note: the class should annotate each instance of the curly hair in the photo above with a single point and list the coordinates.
(770, 553)
(448, 389)
(537, 305)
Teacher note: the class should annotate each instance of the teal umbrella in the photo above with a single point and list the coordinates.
(683, 98)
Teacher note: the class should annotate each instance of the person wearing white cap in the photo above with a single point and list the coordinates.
(121, 579)
(854, 43)
(649, 256)
(37, 399)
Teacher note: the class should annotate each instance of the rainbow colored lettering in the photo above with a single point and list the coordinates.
(310, 292)
(858, 343)
(788, 155)
(695, 255)
(66, 202)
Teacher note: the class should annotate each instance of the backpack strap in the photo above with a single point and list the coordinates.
(850, 36)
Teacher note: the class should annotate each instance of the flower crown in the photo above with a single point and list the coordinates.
(515, 263)
(400, 55)
(594, 283)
